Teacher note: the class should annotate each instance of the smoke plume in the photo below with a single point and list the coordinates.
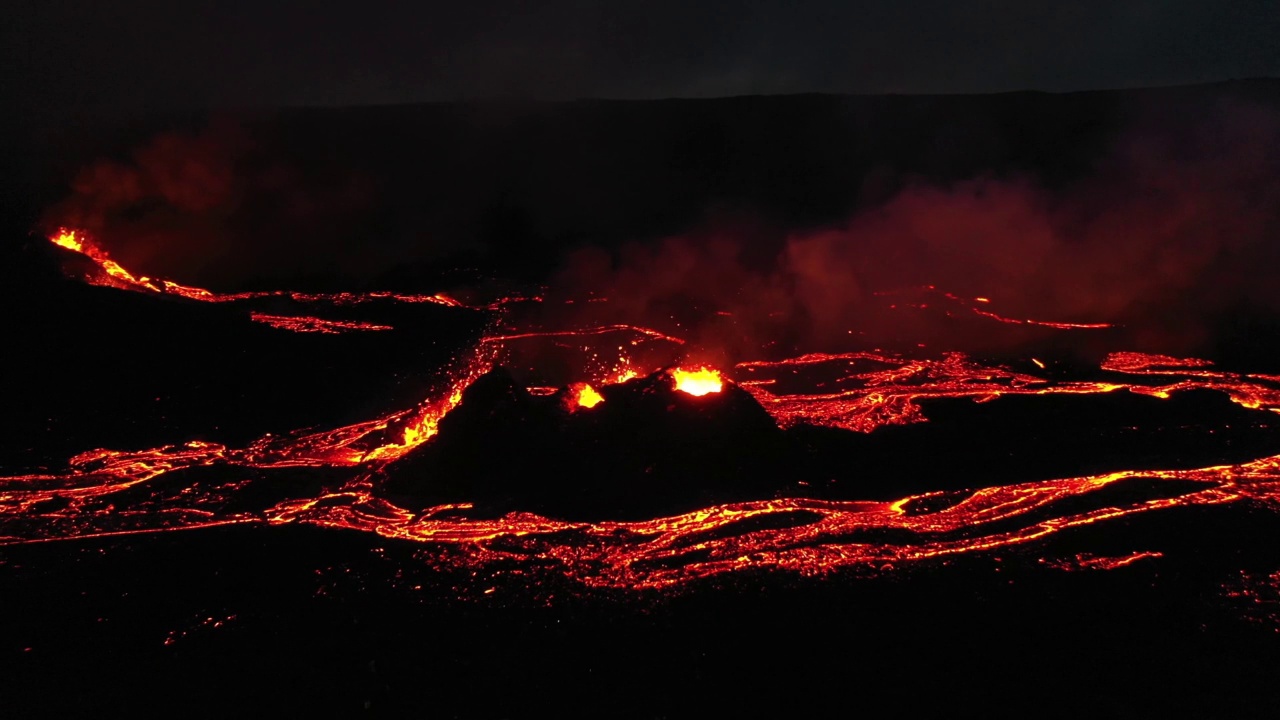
(1166, 232)
(216, 207)
(1174, 227)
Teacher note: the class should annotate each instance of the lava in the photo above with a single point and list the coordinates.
(584, 332)
(304, 324)
(88, 498)
(112, 492)
(1135, 362)
(70, 240)
(698, 382)
(1089, 561)
(585, 396)
(1043, 323)
(963, 303)
(114, 275)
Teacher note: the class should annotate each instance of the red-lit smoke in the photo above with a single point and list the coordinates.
(1172, 229)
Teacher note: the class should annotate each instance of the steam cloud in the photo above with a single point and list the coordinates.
(1176, 226)
(214, 208)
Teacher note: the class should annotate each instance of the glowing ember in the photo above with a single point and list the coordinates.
(698, 382)
(620, 373)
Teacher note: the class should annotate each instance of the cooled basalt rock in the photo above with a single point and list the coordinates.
(968, 445)
(646, 448)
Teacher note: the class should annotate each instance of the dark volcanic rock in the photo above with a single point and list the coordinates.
(968, 445)
(648, 448)
(93, 367)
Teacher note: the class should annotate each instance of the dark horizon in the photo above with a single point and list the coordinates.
(531, 100)
(141, 56)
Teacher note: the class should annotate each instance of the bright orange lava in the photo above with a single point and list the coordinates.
(114, 275)
(104, 492)
(67, 239)
(701, 381)
(586, 396)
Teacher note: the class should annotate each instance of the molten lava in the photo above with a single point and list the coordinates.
(305, 324)
(586, 396)
(114, 275)
(113, 492)
(68, 239)
(701, 381)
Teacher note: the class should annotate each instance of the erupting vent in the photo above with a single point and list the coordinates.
(701, 381)
(858, 392)
(586, 396)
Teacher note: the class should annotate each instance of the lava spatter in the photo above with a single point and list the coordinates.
(697, 382)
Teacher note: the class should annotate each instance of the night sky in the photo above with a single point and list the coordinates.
(137, 55)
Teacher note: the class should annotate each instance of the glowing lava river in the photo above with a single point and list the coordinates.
(199, 484)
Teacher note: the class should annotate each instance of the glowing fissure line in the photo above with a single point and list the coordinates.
(813, 359)
(1044, 323)
(585, 332)
(931, 289)
(117, 276)
(1088, 561)
(303, 324)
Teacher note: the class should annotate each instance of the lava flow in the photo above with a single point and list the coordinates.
(114, 275)
(103, 492)
(313, 324)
